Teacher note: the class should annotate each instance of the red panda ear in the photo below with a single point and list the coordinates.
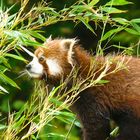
(48, 39)
(67, 45)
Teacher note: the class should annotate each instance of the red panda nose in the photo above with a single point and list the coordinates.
(28, 67)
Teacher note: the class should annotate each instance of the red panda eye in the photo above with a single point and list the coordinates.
(41, 59)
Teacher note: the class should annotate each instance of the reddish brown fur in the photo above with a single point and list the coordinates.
(118, 100)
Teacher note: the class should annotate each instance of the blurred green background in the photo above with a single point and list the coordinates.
(16, 98)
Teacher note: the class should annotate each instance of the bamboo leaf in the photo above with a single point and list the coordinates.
(85, 22)
(54, 91)
(54, 135)
(19, 122)
(20, 112)
(112, 10)
(119, 47)
(48, 10)
(137, 20)
(80, 8)
(15, 57)
(93, 2)
(111, 32)
(132, 31)
(120, 20)
(118, 2)
(3, 68)
(135, 26)
(5, 62)
(115, 132)
(13, 34)
(36, 35)
(55, 101)
(103, 81)
(27, 42)
(6, 79)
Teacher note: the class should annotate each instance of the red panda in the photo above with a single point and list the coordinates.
(118, 99)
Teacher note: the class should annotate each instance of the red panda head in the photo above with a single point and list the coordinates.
(53, 61)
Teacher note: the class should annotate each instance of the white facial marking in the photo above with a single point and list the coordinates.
(36, 70)
(54, 67)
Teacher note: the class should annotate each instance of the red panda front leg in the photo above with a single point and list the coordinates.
(95, 122)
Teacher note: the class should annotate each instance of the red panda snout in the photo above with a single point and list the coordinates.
(34, 68)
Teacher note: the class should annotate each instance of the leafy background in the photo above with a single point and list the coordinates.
(110, 26)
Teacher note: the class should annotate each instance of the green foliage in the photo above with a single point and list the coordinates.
(20, 29)
(14, 30)
(118, 2)
(37, 113)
